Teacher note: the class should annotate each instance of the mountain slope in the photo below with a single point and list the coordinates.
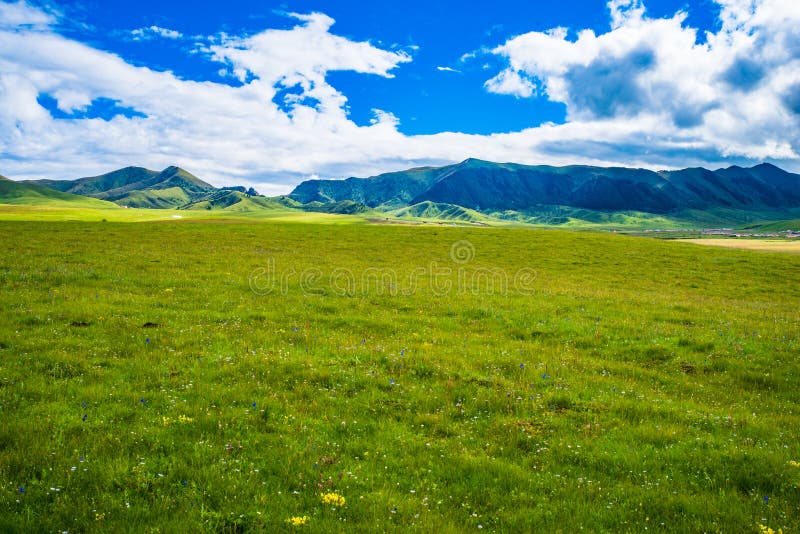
(486, 186)
(233, 201)
(98, 185)
(137, 187)
(394, 188)
(19, 193)
(434, 211)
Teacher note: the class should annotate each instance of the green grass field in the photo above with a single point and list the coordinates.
(204, 376)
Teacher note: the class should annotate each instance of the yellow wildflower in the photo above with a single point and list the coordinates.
(167, 420)
(763, 529)
(185, 419)
(333, 498)
(794, 463)
(298, 521)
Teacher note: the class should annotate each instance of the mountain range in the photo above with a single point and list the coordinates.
(491, 187)
(472, 191)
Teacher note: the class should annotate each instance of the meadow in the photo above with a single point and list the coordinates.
(767, 245)
(221, 376)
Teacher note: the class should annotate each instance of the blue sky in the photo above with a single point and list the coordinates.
(270, 93)
(424, 97)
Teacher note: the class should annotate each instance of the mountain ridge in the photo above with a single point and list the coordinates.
(486, 186)
(137, 187)
(473, 191)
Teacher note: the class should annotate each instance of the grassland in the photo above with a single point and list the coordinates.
(764, 245)
(153, 379)
(119, 214)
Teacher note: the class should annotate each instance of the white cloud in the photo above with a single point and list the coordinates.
(152, 32)
(16, 14)
(511, 82)
(678, 109)
(727, 93)
(625, 12)
(447, 69)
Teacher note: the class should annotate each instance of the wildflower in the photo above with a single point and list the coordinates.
(85, 417)
(254, 404)
(522, 367)
(403, 352)
(332, 498)
(147, 340)
(298, 521)
(185, 419)
(391, 381)
(763, 529)
(545, 376)
(83, 404)
(166, 420)
(99, 517)
(21, 489)
(794, 463)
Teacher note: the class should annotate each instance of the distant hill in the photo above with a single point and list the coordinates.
(137, 187)
(490, 187)
(172, 188)
(395, 189)
(434, 211)
(19, 193)
(776, 226)
(233, 200)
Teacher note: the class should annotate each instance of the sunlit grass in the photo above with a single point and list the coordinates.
(635, 384)
(764, 245)
(60, 213)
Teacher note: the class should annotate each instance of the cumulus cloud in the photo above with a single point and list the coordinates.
(643, 94)
(19, 14)
(152, 32)
(225, 133)
(511, 82)
(728, 92)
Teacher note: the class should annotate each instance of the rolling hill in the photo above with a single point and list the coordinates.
(137, 187)
(486, 187)
(434, 211)
(233, 201)
(22, 194)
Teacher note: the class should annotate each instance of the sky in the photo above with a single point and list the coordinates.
(268, 94)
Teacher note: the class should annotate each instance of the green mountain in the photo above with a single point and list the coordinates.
(441, 212)
(776, 226)
(498, 187)
(473, 191)
(19, 193)
(233, 201)
(137, 187)
(99, 185)
(394, 189)
(172, 188)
